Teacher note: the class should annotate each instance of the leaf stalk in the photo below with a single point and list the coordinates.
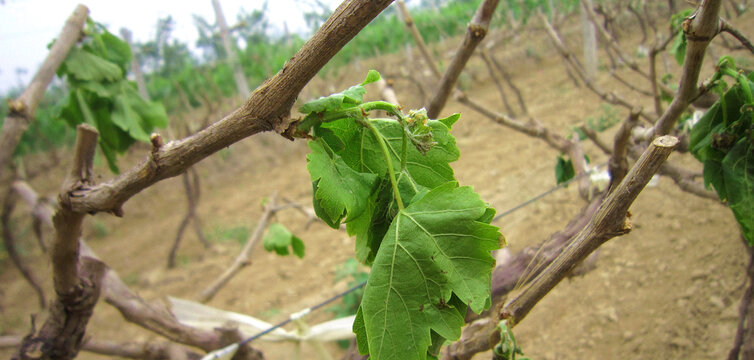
(388, 161)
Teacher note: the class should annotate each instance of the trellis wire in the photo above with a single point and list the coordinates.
(548, 192)
(232, 348)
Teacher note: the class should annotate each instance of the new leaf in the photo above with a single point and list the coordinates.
(341, 192)
(435, 251)
(279, 239)
(722, 140)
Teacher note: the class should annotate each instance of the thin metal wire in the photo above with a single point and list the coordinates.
(548, 192)
(315, 307)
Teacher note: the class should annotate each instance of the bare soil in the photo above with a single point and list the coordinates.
(668, 290)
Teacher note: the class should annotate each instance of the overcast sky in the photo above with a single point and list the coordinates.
(27, 26)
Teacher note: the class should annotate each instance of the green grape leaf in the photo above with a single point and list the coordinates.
(152, 113)
(116, 50)
(100, 95)
(362, 151)
(564, 170)
(318, 209)
(678, 48)
(360, 329)
(127, 119)
(450, 120)
(507, 348)
(738, 171)
(350, 97)
(713, 175)
(488, 215)
(341, 192)
(68, 109)
(330, 138)
(110, 156)
(98, 88)
(86, 112)
(85, 66)
(372, 76)
(434, 249)
(298, 247)
(722, 141)
(423, 172)
(279, 239)
(370, 227)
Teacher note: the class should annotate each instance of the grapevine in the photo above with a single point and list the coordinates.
(100, 94)
(427, 239)
(723, 140)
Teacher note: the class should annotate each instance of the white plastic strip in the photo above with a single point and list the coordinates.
(208, 318)
(300, 314)
(225, 353)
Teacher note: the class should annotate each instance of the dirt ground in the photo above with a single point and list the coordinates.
(668, 290)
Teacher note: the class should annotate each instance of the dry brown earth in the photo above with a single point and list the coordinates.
(668, 290)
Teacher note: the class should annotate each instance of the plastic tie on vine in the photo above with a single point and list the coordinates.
(599, 179)
(298, 315)
(208, 318)
(225, 353)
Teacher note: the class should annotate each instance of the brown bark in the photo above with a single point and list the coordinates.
(609, 221)
(653, 52)
(532, 128)
(267, 109)
(144, 351)
(744, 340)
(23, 108)
(9, 240)
(192, 190)
(509, 81)
(700, 29)
(488, 62)
(570, 60)
(594, 137)
(153, 317)
(618, 163)
(130, 350)
(62, 334)
(77, 283)
(403, 11)
(730, 29)
(685, 181)
(475, 32)
(474, 339)
(576, 153)
(41, 207)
